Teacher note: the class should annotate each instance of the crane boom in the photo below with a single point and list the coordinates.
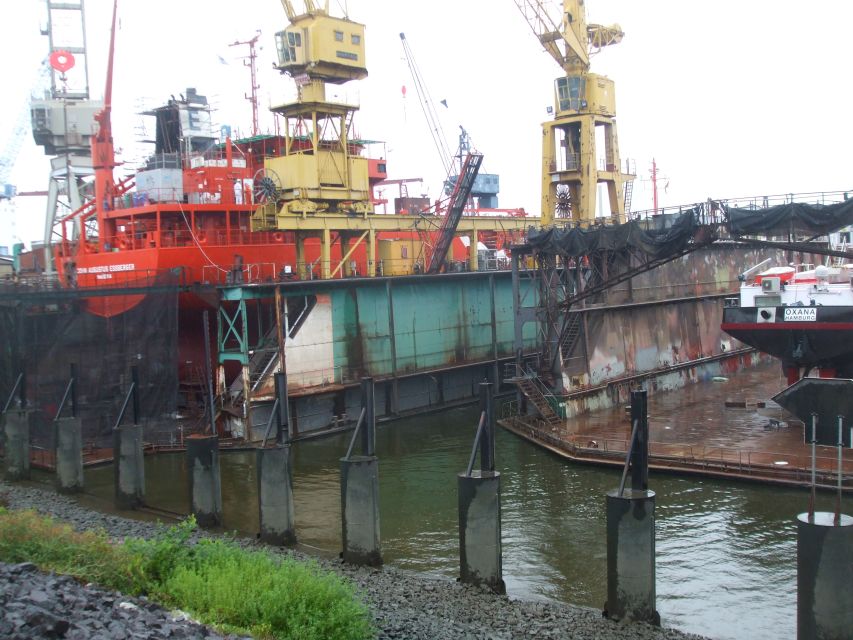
(439, 139)
(288, 9)
(571, 41)
(310, 7)
(458, 199)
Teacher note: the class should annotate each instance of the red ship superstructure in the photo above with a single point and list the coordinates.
(188, 208)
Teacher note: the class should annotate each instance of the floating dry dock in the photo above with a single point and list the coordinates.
(694, 432)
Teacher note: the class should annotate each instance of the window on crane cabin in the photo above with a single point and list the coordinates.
(339, 36)
(570, 93)
(356, 39)
(286, 42)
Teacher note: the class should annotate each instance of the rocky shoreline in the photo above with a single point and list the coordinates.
(404, 605)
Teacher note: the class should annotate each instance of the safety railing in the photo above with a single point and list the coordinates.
(101, 276)
(793, 467)
(713, 210)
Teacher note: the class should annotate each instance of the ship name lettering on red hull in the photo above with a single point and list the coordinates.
(107, 268)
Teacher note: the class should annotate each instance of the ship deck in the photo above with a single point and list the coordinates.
(729, 430)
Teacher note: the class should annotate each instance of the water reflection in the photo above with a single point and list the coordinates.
(725, 551)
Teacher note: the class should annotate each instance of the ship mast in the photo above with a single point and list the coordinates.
(250, 61)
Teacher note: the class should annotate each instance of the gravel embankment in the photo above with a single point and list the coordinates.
(41, 605)
(404, 605)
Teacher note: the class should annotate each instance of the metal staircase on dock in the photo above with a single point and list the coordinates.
(629, 191)
(263, 362)
(264, 359)
(570, 335)
(535, 391)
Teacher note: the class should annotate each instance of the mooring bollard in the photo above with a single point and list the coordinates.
(631, 530)
(204, 479)
(360, 488)
(480, 550)
(275, 476)
(17, 431)
(128, 460)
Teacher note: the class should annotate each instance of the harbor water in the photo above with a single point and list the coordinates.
(726, 550)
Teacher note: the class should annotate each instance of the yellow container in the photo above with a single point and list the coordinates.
(399, 256)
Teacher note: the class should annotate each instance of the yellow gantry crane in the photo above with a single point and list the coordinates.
(320, 169)
(584, 102)
(319, 187)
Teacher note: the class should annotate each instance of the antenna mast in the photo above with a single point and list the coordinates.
(250, 61)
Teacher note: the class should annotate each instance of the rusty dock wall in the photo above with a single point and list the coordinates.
(429, 340)
(659, 330)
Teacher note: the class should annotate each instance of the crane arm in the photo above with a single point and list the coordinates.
(288, 9)
(570, 43)
(310, 7)
(458, 199)
(601, 36)
(562, 42)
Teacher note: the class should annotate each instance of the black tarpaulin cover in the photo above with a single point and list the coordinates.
(814, 219)
(658, 237)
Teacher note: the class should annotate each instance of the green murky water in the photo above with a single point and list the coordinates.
(726, 551)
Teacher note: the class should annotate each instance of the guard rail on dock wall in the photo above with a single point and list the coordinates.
(712, 210)
(748, 464)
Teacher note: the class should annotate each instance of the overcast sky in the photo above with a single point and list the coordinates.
(732, 98)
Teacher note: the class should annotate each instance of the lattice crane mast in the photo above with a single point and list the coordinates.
(18, 132)
(584, 102)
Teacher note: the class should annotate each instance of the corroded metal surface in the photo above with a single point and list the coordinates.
(694, 432)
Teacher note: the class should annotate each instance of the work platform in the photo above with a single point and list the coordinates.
(353, 229)
(725, 430)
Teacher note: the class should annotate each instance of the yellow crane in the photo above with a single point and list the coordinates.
(584, 102)
(320, 169)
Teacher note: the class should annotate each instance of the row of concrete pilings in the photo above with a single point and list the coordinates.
(824, 544)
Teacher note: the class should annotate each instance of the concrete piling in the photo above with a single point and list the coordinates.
(480, 550)
(275, 495)
(360, 489)
(204, 479)
(360, 510)
(479, 496)
(129, 467)
(17, 430)
(631, 556)
(275, 476)
(824, 577)
(68, 437)
(631, 530)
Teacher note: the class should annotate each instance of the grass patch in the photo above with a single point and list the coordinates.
(255, 592)
(25, 536)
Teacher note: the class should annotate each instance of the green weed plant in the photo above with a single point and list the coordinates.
(238, 591)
